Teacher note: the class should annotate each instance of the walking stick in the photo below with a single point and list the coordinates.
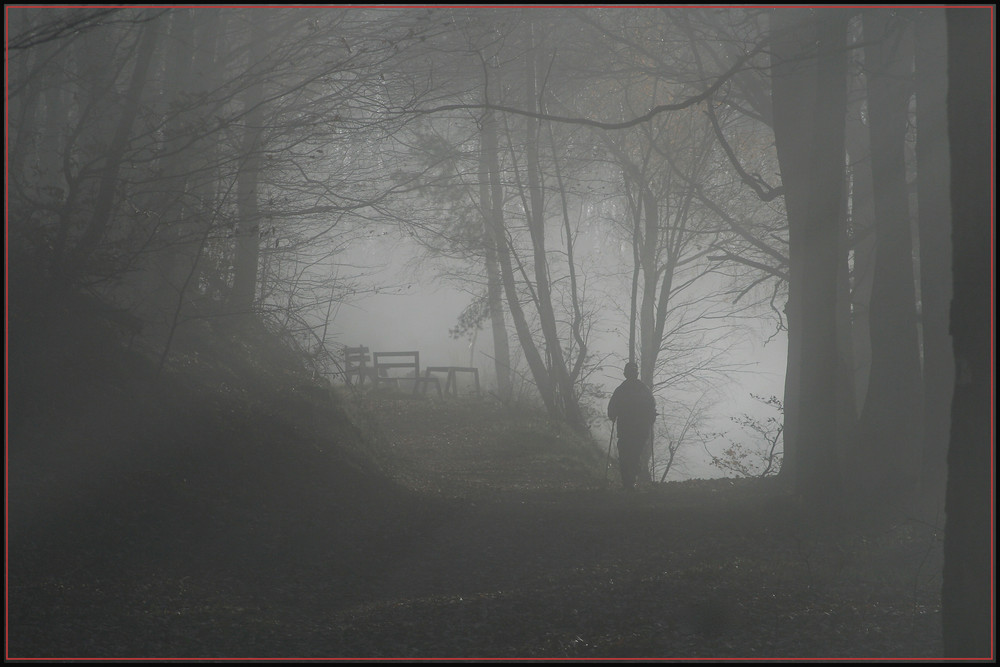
(607, 463)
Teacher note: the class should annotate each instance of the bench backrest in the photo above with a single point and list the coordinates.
(385, 361)
(356, 360)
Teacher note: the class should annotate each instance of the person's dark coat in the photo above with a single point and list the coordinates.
(633, 409)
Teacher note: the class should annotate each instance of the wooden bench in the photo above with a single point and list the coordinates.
(356, 360)
(402, 360)
(451, 385)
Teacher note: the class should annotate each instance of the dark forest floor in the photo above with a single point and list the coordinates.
(502, 547)
(207, 521)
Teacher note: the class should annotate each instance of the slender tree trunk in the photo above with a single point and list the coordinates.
(577, 323)
(633, 314)
(536, 364)
(890, 436)
(494, 285)
(536, 226)
(649, 344)
(968, 588)
(649, 341)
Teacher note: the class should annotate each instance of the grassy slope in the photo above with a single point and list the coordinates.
(232, 508)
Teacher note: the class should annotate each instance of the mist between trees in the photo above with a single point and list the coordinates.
(673, 186)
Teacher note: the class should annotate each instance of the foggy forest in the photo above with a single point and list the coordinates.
(315, 315)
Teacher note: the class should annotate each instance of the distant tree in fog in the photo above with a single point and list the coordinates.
(514, 185)
(166, 165)
(890, 436)
(65, 191)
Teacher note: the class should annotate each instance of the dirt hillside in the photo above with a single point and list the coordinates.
(221, 518)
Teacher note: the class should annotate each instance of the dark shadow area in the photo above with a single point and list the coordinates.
(234, 508)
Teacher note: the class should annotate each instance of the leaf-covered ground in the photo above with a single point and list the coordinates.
(201, 520)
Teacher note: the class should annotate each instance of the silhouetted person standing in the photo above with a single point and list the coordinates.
(633, 409)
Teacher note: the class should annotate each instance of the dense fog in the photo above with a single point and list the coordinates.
(752, 205)
(322, 166)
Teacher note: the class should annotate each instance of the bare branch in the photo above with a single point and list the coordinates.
(652, 113)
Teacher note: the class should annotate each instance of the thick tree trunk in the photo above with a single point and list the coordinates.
(793, 86)
(819, 474)
(968, 589)
(809, 101)
(847, 414)
(934, 215)
(862, 248)
(889, 453)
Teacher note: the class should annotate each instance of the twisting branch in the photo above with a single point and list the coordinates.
(756, 183)
(71, 24)
(602, 125)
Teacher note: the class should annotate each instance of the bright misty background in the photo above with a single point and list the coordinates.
(406, 306)
(434, 179)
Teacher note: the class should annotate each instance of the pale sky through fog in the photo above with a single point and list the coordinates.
(413, 310)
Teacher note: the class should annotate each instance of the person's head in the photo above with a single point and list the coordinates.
(631, 370)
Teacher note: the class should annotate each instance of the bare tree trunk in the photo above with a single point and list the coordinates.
(890, 436)
(536, 225)
(968, 589)
(934, 215)
(792, 89)
(809, 126)
(246, 264)
(862, 247)
(535, 363)
(820, 470)
(494, 284)
(649, 341)
(633, 313)
(847, 414)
